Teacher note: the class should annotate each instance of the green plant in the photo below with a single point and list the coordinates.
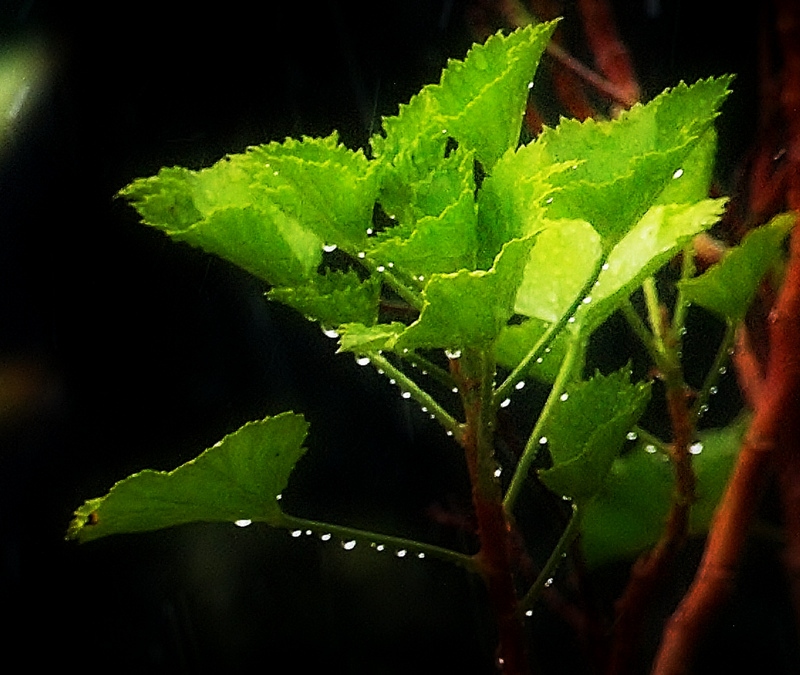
(452, 258)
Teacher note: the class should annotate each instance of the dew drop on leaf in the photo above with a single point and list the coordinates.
(529, 612)
(296, 533)
(329, 248)
(349, 545)
(452, 354)
(563, 396)
(401, 553)
(330, 332)
(505, 403)
(530, 85)
(498, 473)
(723, 370)
(713, 390)
(455, 390)
(325, 537)
(362, 360)
(540, 360)
(379, 548)
(369, 231)
(678, 173)
(362, 255)
(632, 436)
(604, 266)
(696, 448)
(244, 522)
(424, 409)
(380, 268)
(519, 385)
(406, 394)
(650, 448)
(587, 299)
(543, 440)
(548, 583)
(420, 555)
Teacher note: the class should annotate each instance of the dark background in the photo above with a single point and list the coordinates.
(123, 351)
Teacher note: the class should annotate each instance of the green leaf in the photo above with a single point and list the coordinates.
(621, 166)
(655, 239)
(515, 341)
(443, 237)
(361, 339)
(560, 265)
(286, 199)
(629, 512)
(334, 298)
(586, 430)
(241, 477)
(728, 288)
(469, 309)
(479, 102)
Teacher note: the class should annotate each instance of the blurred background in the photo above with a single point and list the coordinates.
(120, 350)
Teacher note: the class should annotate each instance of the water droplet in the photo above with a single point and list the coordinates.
(349, 545)
(401, 553)
(632, 436)
(703, 410)
(406, 394)
(362, 360)
(278, 496)
(420, 555)
(362, 255)
(325, 537)
(380, 268)
(329, 248)
(244, 522)
(369, 231)
(498, 473)
(274, 173)
(604, 266)
(392, 380)
(722, 370)
(424, 409)
(650, 448)
(713, 390)
(296, 533)
(449, 433)
(543, 440)
(330, 332)
(392, 217)
(421, 277)
(571, 319)
(530, 84)
(309, 533)
(452, 354)
(547, 350)
(696, 448)
(380, 547)
(505, 403)
(391, 264)
(549, 582)
(565, 498)
(529, 612)
(549, 200)
(444, 131)
(678, 173)
(540, 360)
(563, 396)
(454, 390)
(587, 299)
(573, 167)
(519, 385)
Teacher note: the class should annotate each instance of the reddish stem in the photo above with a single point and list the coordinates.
(713, 582)
(494, 529)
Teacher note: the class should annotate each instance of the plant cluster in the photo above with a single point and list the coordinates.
(452, 258)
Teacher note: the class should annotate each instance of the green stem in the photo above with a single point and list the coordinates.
(572, 362)
(546, 575)
(416, 392)
(550, 334)
(399, 546)
(717, 369)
